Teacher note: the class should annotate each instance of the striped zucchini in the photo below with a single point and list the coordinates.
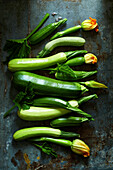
(48, 86)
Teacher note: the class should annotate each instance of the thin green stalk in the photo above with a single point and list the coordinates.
(46, 149)
(79, 111)
(71, 54)
(7, 113)
(86, 98)
(65, 32)
(63, 142)
(38, 26)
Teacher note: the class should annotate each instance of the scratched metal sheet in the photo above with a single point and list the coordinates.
(17, 19)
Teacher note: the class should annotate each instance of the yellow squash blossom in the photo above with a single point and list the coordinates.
(90, 24)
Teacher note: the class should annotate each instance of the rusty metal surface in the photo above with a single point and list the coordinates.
(17, 18)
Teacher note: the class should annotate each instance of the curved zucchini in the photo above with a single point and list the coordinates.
(36, 63)
(63, 41)
(48, 86)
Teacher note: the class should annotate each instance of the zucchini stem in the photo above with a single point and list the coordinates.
(65, 32)
(86, 98)
(63, 142)
(7, 113)
(38, 26)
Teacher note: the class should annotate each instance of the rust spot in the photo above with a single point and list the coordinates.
(21, 162)
(14, 161)
(104, 38)
(38, 157)
(26, 158)
(98, 47)
(79, 22)
(103, 56)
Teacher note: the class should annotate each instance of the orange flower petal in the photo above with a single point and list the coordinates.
(96, 28)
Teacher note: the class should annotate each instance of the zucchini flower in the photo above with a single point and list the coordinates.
(90, 58)
(79, 147)
(93, 84)
(90, 24)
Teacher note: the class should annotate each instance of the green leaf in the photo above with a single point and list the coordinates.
(17, 49)
(65, 70)
(46, 149)
(24, 50)
(25, 106)
(23, 99)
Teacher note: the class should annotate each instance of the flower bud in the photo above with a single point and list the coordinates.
(79, 147)
(90, 24)
(94, 84)
(90, 58)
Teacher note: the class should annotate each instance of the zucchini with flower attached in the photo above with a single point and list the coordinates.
(26, 133)
(64, 41)
(86, 25)
(77, 145)
(48, 86)
(66, 32)
(87, 59)
(40, 63)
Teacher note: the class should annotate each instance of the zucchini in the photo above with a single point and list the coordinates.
(48, 86)
(63, 41)
(70, 121)
(36, 63)
(42, 131)
(41, 113)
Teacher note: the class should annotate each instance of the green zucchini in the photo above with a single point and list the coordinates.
(45, 32)
(70, 121)
(52, 107)
(42, 131)
(36, 63)
(48, 86)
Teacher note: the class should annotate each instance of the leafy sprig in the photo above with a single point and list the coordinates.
(46, 149)
(23, 99)
(20, 48)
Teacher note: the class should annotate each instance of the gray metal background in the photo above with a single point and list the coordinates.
(19, 17)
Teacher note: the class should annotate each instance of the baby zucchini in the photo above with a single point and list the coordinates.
(70, 121)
